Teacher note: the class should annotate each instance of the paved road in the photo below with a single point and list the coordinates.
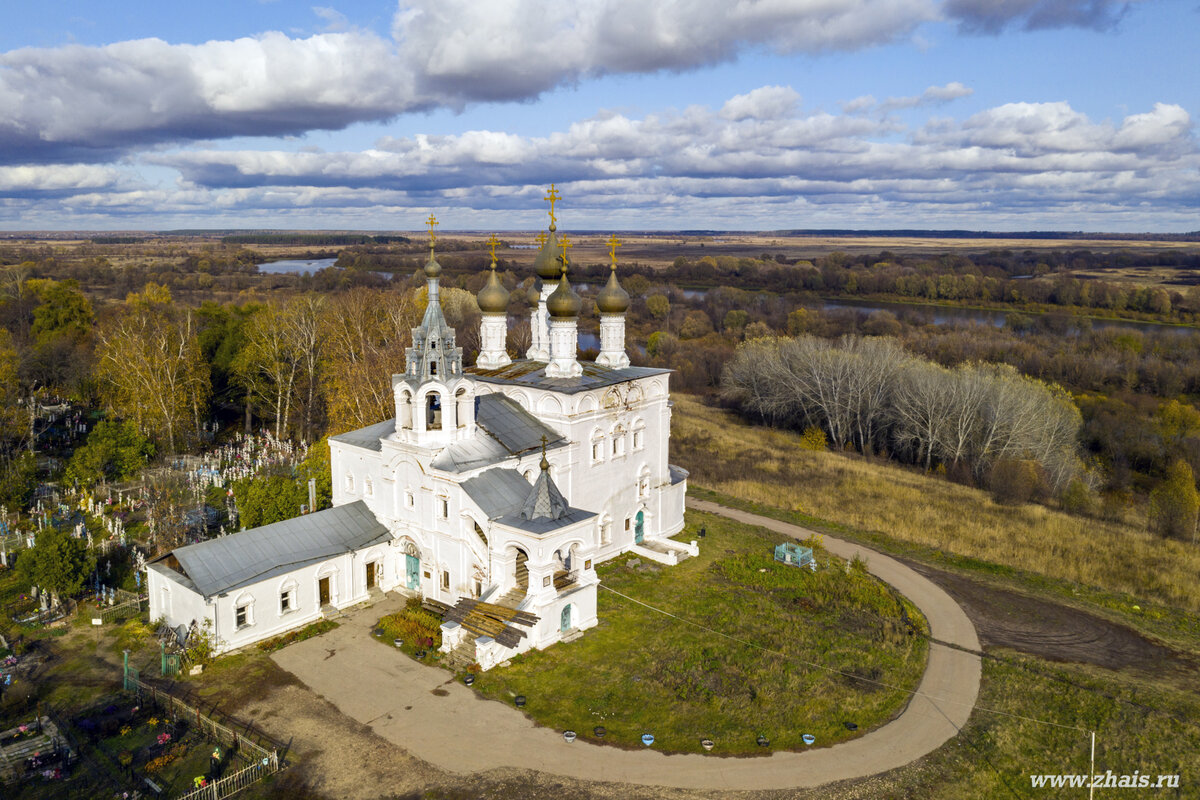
(456, 731)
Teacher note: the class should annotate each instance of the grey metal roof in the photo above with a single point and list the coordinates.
(503, 430)
(524, 372)
(230, 562)
(546, 524)
(497, 492)
(369, 436)
(677, 473)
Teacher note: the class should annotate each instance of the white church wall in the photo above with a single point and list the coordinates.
(264, 616)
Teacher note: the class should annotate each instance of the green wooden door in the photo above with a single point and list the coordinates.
(639, 528)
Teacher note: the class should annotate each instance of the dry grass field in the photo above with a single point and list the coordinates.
(768, 467)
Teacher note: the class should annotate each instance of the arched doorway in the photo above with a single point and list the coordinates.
(412, 566)
(565, 623)
(639, 527)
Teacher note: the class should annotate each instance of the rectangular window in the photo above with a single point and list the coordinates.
(637, 440)
(285, 602)
(587, 564)
(446, 579)
(243, 616)
(596, 451)
(409, 500)
(445, 508)
(627, 523)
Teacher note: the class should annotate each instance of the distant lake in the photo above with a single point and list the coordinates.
(296, 267)
(306, 266)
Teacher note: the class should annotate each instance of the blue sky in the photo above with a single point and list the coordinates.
(762, 114)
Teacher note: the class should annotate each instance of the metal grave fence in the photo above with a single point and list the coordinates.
(262, 762)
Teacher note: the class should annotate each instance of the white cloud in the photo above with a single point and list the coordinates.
(767, 102)
(446, 53)
(1036, 162)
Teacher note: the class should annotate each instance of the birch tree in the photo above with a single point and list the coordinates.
(150, 367)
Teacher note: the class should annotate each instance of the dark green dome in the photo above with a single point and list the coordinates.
(612, 298)
(546, 265)
(563, 303)
(493, 298)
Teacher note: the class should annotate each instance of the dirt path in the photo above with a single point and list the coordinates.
(445, 724)
(1052, 630)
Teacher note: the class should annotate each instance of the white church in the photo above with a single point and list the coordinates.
(506, 483)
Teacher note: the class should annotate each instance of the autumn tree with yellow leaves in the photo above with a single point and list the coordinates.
(150, 369)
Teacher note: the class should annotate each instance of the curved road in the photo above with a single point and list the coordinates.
(458, 732)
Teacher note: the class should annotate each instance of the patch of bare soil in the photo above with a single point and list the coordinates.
(1050, 630)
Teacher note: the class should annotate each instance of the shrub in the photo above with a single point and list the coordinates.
(813, 439)
(1077, 498)
(413, 624)
(1017, 481)
(1174, 502)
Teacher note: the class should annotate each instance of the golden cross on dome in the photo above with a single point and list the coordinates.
(613, 244)
(565, 243)
(540, 238)
(553, 196)
(492, 243)
(431, 222)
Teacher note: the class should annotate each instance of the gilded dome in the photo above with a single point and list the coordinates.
(546, 265)
(432, 267)
(534, 294)
(493, 298)
(612, 298)
(563, 303)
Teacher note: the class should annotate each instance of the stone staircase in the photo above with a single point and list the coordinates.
(462, 656)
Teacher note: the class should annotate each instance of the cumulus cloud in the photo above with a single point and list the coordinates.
(993, 16)
(520, 48)
(932, 96)
(758, 150)
(76, 103)
(147, 91)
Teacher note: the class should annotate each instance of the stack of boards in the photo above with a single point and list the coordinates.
(485, 619)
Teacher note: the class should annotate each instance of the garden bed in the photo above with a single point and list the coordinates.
(767, 654)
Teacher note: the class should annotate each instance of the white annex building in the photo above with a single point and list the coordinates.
(506, 482)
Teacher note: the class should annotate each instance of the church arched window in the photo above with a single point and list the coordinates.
(433, 412)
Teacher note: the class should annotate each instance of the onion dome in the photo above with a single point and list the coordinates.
(563, 303)
(534, 295)
(612, 299)
(493, 298)
(432, 267)
(546, 265)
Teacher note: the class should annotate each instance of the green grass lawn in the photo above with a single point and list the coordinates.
(640, 671)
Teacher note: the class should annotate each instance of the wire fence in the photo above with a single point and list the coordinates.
(262, 762)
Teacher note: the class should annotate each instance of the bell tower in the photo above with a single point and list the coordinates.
(435, 404)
